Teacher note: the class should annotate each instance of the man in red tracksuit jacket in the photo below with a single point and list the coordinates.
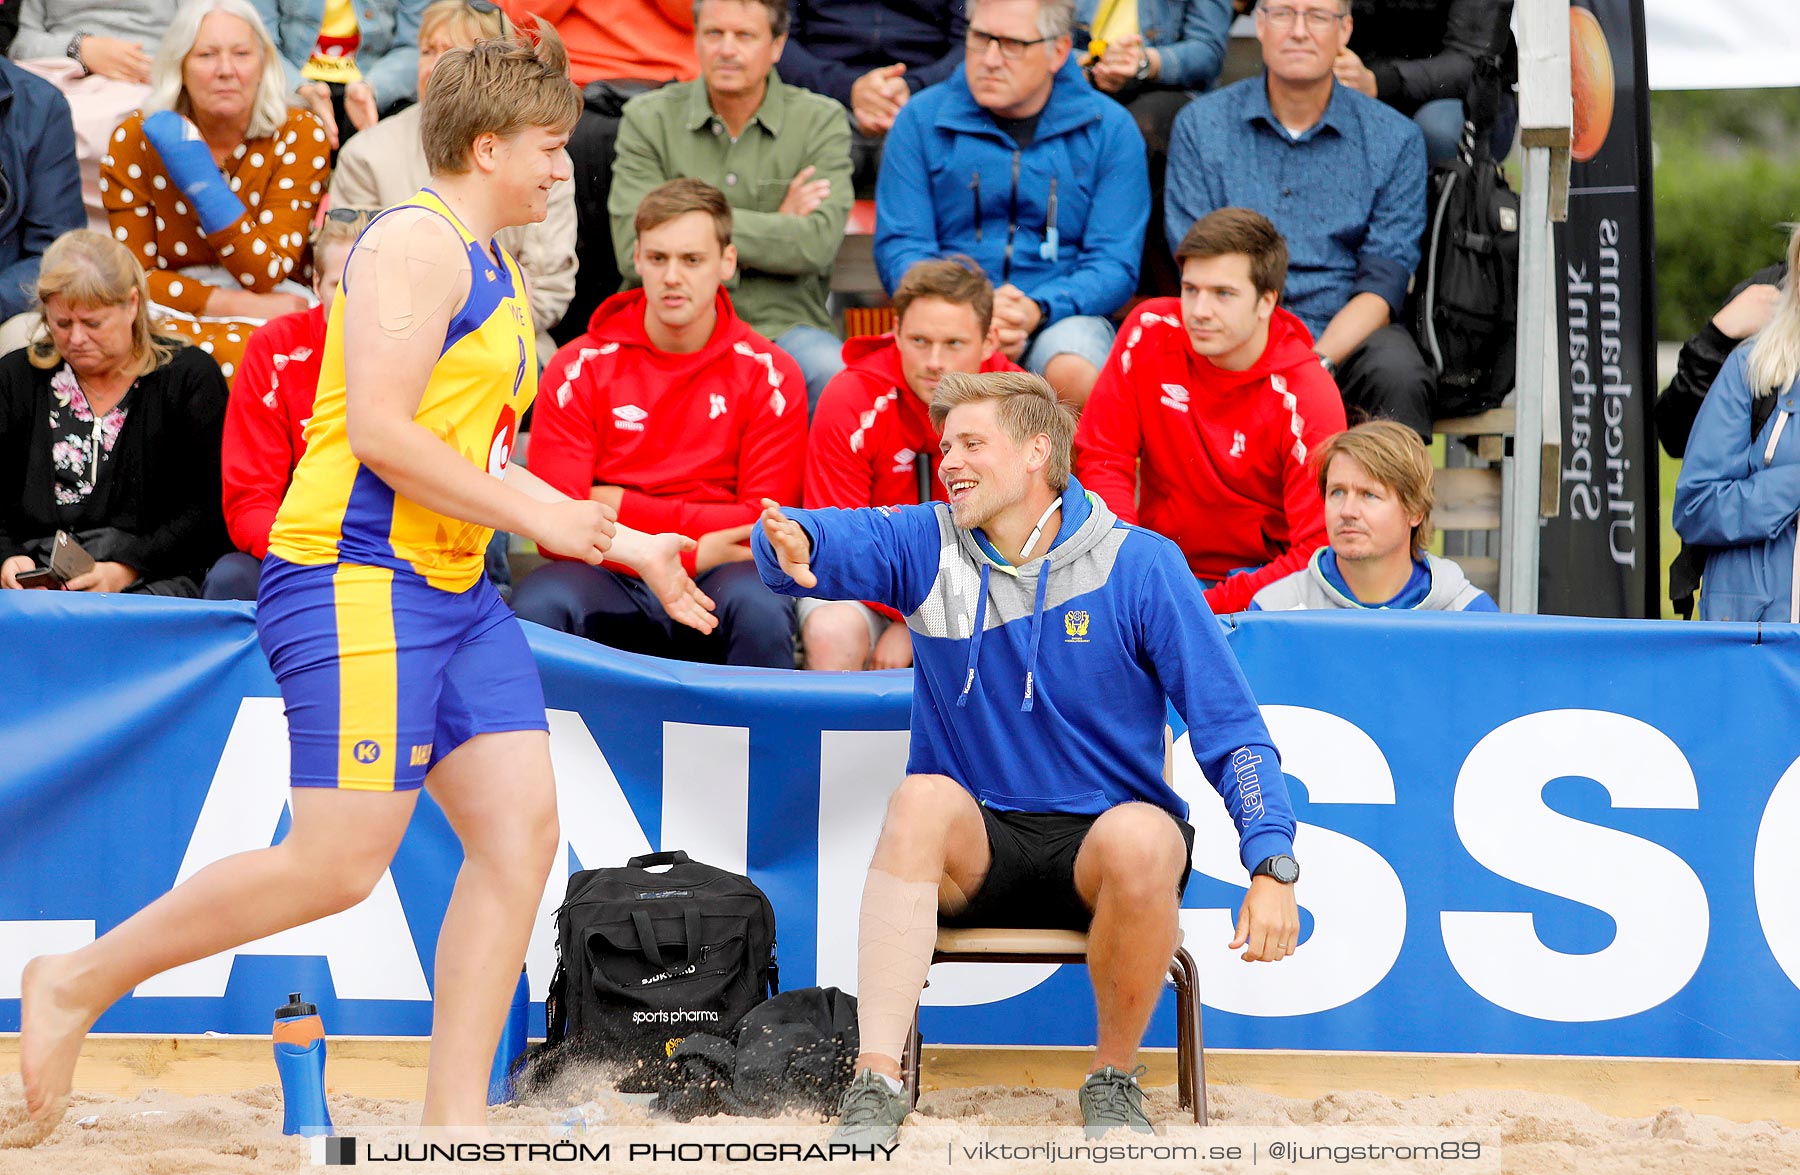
(271, 401)
(1201, 422)
(674, 412)
(872, 443)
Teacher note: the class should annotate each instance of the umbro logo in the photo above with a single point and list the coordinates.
(1175, 396)
(903, 460)
(629, 417)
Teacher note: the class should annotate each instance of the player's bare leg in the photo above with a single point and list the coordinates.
(337, 848)
(499, 795)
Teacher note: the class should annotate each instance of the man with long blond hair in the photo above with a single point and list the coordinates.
(399, 664)
(1049, 639)
(1376, 480)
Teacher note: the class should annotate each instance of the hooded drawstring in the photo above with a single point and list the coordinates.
(1037, 627)
(981, 594)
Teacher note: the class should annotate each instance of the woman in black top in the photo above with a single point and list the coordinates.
(109, 433)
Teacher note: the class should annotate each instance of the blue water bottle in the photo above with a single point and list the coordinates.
(300, 1060)
(514, 1036)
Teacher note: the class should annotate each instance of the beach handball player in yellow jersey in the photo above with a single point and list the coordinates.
(399, 664)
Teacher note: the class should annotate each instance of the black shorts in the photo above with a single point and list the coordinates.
(1030, 883)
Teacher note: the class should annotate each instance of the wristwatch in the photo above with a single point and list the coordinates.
(73, 52)
(1143, 66)
(1281, 867)
(1325, 362)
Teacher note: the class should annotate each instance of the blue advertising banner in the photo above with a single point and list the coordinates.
(1519, 835)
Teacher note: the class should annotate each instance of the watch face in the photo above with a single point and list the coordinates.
(1285, 870)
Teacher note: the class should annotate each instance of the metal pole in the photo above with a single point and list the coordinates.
(1536, 340)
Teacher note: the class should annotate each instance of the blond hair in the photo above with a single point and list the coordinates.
(168, 92)
(497, 87)
(86, 268)
(1774, 358)
(465, 25)
(1027, 407)
(1393, 455)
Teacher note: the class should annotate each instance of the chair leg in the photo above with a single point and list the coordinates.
(909, 1065)
(1192, 1059)
(1185, 1094)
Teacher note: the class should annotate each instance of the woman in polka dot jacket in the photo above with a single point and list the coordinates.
(218, 67)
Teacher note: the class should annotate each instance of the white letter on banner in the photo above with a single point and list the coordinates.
(1658, 903)
(597, 823)
(369, 947)
(26, 939)
(858, 770)
(706, 793)
(1777, 873)
(1355, 898)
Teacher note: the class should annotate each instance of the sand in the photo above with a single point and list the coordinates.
(159, 1133)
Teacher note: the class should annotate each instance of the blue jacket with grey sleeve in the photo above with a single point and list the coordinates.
(1042, 687)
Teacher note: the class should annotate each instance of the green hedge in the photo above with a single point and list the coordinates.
(1727, 178)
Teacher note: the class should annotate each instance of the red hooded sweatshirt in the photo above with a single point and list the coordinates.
(868, 430)
(1223, 471)
(695, 440)
(871, 442)
(271, 401)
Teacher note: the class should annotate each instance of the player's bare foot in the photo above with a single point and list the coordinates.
(51, 1029)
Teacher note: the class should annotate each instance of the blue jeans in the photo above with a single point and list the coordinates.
(820, 355)
(1084, 335)
(1442, 121)
(756, 626)
(233, 577)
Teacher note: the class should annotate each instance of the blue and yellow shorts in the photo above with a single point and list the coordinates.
(383, 674)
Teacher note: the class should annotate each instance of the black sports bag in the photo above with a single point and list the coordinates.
(644, 959)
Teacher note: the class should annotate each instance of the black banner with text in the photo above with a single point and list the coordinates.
(1599, 556)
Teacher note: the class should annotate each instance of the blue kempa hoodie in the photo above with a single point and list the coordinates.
(1042, 687)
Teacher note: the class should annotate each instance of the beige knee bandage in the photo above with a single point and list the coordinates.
(893, 953)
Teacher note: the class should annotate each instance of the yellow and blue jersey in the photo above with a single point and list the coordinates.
(338, 511)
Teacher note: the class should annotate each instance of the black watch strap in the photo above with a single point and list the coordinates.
(73, 52)
(1281, 867)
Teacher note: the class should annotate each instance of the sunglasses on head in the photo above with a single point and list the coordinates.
(484, 7)
(352, 215)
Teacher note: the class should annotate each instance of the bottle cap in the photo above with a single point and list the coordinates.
(295, 1008)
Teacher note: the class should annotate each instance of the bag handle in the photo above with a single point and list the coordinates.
(670, 857)
(652, 950)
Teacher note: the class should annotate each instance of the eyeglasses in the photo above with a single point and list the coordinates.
(1317, 19)
(1011, 48)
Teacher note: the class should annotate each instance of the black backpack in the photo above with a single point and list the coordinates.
(794, 1051)
(1465, 301)
(644, 959)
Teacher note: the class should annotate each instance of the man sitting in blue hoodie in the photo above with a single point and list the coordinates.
(1048, 638)
(1017, 162)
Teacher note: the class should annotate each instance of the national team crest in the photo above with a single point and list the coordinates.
(1076, 625)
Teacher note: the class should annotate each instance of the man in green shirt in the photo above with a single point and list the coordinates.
(779, 153)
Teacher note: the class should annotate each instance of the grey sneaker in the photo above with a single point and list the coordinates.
(870, 1113)
(1110, 1099)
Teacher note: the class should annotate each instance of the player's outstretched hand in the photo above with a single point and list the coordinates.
(657, 557)
(792, 546)
(577, 528)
